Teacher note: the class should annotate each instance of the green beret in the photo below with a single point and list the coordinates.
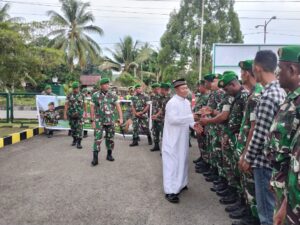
(51, 103)
(104, 81)
(289, 53)
(155, 85)
(209, 77)
(165, 85)
(47, 87)
(246, 65)
(137, 86)
(75, 84)
(228, 76)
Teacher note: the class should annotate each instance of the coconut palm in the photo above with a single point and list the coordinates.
(5, 17)
(71, 35)
(128, 55)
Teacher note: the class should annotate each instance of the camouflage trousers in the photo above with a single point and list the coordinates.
(201, 139)
(156, 130)
(140, 123)
(247, 184)
(216, 152)
(208, 144)
(109, 136)
(76, 126)
(230, 163)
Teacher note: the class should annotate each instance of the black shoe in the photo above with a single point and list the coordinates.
(173, 198)
(190, 144)
(219, 187)
(134, 143)
(185, 188)
(238, 214)
(208, 173)
(201, 164)
(224, 193)
(149, 140)
(230, 199)
(79, 143)
(95, 159)
(155, 148)
(74, 141)
(234, 207)
(85, 134)
(69, 133)
(109, 156)
(247, 220)
(212, 178)
(202, 170)
(198, 160)
(221, 180)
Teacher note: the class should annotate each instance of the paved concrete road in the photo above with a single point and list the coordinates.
(46, 181)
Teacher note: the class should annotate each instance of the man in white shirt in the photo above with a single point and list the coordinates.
(175, 145)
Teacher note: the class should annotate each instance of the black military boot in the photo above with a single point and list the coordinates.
(109, 156)
(85, 134)
(134, 142)
(200, 159)
(95, 159)
(149, 140)
(69, 133)
(79, 143)
(238, 205)
(74, 141)
(155, 148)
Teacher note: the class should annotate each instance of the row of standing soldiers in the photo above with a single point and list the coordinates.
(228, 113)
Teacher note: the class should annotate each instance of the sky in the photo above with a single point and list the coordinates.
(146, 20)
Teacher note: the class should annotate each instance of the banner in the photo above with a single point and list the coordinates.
(50, 110)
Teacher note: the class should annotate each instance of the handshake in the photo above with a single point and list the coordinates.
(198, 128)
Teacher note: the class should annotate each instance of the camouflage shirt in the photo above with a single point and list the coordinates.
(293, 185)
(139, 102)
(105, 105)
(249, 116)
(237, 110)
(282, 132)
(215, 98)
(201, 100)
(75, 105)
(51, 117)
(156, 105)
(165, 100)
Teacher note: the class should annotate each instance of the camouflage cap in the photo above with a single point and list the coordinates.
(289, 53)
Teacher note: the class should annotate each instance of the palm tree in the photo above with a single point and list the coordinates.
(127, 56)
(5, 17)
(71, 36)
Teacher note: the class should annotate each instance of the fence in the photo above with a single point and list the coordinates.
(18, 107)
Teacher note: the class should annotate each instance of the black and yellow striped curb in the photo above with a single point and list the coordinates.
(23, 135)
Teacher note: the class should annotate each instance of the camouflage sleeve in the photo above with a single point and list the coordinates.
(147, 99)
(226, 103)
(116, 99)
(94, 99)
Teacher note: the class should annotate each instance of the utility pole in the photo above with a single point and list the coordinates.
(201, 40)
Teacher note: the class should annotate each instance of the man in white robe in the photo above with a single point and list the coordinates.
(175, 145)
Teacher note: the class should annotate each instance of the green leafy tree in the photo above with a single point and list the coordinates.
(179, 54)
(71, 35)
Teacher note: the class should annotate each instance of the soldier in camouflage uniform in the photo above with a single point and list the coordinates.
(286, 122)
(201, 101)
(247, 193)
(103, 106)
(214, 98)
(140, 107)
(156, 115)
(166, 96)
(48, 91)
(51, 118)
(75, 111)
(231, 130)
